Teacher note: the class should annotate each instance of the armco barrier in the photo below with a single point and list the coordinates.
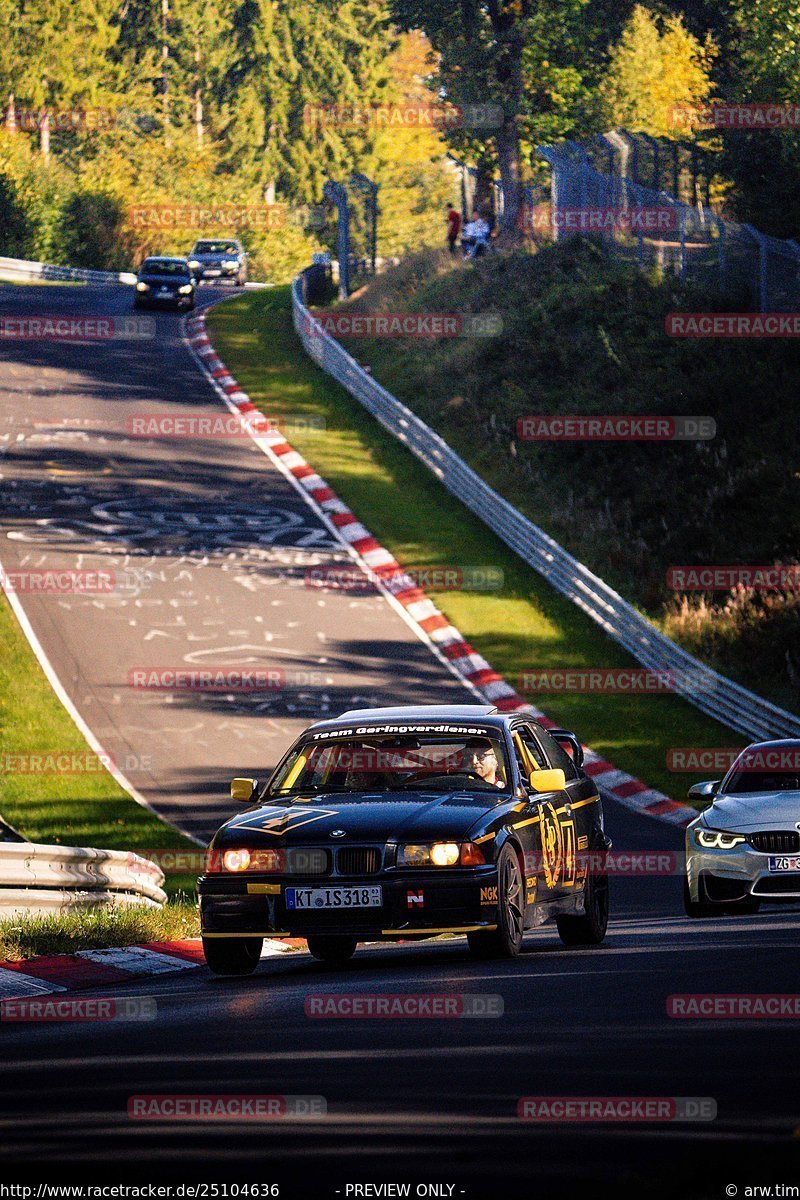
(709, 691)
(46, 879)
(20, 268)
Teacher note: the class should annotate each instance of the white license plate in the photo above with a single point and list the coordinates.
(311, 899)
(211, 271)
(784, 862)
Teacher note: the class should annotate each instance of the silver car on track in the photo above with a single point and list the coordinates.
(745, 847)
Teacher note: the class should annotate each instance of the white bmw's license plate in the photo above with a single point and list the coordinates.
(212, 271)
(309, 899)
(784, 862)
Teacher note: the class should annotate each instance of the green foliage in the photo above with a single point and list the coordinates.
(654, 69)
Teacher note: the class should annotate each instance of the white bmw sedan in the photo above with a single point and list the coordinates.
(745, 847)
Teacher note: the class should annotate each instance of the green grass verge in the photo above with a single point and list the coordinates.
(523, 626)
(73, 810)
(96, 929)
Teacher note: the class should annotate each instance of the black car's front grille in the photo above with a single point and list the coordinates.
(776, 841)
(358, 860)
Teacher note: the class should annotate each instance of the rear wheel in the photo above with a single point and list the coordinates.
(506, 940)
(590, 927)
(332, 949)
(232, 956)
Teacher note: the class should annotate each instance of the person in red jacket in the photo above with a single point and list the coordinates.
(453, 228)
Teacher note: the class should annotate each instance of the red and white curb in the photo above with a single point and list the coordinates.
(419, 612)
(102, 968)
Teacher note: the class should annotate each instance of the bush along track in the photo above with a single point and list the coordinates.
(369, 467)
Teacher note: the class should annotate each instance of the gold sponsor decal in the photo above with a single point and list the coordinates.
(489, 894)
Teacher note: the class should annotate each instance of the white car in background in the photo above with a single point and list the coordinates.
(745, 847)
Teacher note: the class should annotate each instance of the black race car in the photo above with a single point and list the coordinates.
(164, 281)
(398, 823)
(220, 258)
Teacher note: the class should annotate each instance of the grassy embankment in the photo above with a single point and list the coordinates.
(522, 626)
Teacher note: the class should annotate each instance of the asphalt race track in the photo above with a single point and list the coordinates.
(209, 548)
(408, 1101)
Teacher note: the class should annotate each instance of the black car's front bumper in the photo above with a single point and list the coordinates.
(421, 903)
(173, 300)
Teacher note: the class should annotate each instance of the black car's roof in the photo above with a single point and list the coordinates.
(159, 258)
(463, 714)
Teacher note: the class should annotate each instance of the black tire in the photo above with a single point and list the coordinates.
(233, 956)
(590, 927)
(332, 949)
(697, 909)
(506, 940)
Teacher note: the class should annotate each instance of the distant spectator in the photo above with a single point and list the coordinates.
(476, 235)
(453, 228)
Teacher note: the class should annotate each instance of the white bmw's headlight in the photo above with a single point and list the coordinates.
(184, 291)
(715, 839)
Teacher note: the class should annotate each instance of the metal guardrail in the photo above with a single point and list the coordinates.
(709, 691)
(20, 268)
(35, 878)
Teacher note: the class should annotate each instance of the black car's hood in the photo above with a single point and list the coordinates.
(372, 816)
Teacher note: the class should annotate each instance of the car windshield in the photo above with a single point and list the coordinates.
(216, 248)
(399, 763)
(164, 266)
(740, 781)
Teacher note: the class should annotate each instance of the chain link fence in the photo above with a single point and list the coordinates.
(649, 200)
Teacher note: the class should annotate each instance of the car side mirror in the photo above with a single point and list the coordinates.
(552, 779)
(704, 791)
(243, 790)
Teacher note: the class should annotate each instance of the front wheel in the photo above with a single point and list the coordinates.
(506, 940)
(332, 949)
(233, 956)
(590, 927)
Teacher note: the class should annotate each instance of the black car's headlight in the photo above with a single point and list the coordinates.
(194, 264)
(230, 263)
(141, 286)
(440, 854)
(717, 839)
(185, 289)
(240, 859)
